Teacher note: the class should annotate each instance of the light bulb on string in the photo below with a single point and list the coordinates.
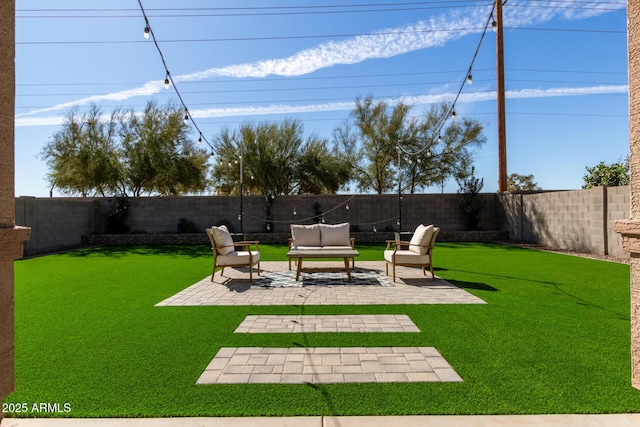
(186, 116)
(469, 79)
(494, 25)
(166, 81)
(453, 113)
(439, 138)
(295, 212)
(347, 206)
(375, 230)
(200, 140)
(147, 31)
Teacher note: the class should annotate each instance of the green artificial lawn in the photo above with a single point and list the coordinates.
(554, 337)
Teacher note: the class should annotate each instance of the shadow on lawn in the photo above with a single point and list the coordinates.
(191, 251)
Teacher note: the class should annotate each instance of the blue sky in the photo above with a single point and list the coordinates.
(241, 60)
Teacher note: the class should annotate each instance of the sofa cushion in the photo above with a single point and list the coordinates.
(421, 239)
(223, 240)
(239, 258)
(404, 256)
(335, 235)
(305, 235)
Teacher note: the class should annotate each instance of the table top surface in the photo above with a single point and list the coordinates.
(320, 253)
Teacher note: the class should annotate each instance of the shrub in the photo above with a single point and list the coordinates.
(117, 215)
(186, 226)
(471, 201)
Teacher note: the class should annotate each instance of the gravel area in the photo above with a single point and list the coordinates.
(576, 253)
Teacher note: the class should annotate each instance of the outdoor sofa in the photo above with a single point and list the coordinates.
(320, 237)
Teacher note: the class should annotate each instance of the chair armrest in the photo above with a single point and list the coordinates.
(397, 243)
(247, 243)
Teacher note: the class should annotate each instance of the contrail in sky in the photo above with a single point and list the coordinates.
(345, 106)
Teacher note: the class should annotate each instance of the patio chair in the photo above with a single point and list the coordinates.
(419, 251)
(225, 254)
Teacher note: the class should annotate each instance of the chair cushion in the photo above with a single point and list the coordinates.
(305, 235)
(405, 256)
(222, 237)
(421, 238)
(335, 235)
(239, 258)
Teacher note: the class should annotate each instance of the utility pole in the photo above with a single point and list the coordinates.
(502, 127)
(399, 222)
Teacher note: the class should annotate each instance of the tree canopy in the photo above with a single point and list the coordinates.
(378, 148)
(276, 159)
(430, 151)
(611, 175)
(125, 154)
(517, 182)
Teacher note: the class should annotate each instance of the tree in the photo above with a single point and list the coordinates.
(83, 155)
(276, 160)
(125, 153)
(517, 182)
(430, 151)
(611, 175)
(444, 153)
(158, 155)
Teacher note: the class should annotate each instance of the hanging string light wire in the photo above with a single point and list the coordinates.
(148, 31)
(452, 112)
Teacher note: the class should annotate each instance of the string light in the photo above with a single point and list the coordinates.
(469, 79)
(295, 212)
(168, 81)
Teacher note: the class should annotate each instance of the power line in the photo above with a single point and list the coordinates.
(309, 36)
(351, 76)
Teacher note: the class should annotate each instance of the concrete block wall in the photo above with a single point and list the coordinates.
(57, 223)
(580, 220)
(576, 220)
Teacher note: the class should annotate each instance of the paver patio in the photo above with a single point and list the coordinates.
(277, 286)
(326, 365)
(359, 323)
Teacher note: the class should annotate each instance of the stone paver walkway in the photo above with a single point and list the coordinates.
(272, 324)
(234, 288)
(326, 365)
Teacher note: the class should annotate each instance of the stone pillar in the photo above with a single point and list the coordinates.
(630, 229)
(11, 237)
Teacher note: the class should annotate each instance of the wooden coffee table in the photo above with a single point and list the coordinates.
(345, 254)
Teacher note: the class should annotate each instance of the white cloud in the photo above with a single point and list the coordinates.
(346, 106)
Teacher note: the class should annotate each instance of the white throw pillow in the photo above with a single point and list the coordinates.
(224, 242)
(305, 235)
(421, 238)
(335, 235)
